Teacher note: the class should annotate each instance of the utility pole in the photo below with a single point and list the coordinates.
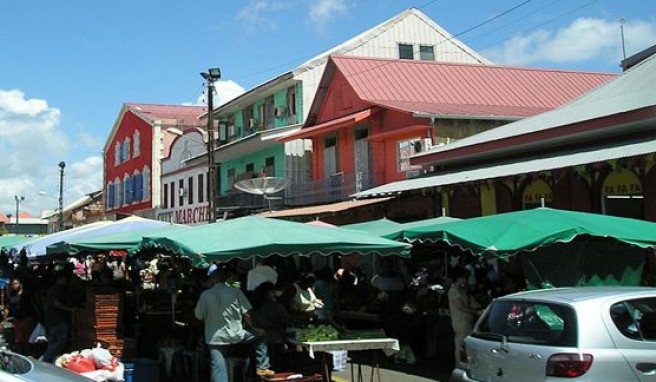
(18, 200)
(210, 76)
(622, 35)
(62, 164)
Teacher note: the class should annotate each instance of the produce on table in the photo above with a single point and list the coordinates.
(318, 333)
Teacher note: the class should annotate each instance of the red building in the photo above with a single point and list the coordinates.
(370, 116)
(132, 154)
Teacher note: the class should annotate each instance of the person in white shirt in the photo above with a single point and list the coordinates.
(224, 310)
(263, 272)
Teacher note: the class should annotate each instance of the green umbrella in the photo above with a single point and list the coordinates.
(8, 241)
(127, 241)
(396, 231)
(508, 233)
(380, 227)
(251, 236)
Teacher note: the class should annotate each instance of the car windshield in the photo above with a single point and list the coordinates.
(529, 322)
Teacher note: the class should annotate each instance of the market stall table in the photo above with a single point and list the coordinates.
(388, 345)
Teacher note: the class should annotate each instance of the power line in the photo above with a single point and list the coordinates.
(545, 23)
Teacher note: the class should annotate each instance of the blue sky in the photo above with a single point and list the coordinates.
(66, 67)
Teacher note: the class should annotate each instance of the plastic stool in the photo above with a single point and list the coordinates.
(166, 354)
(232, 362)
(190, 363)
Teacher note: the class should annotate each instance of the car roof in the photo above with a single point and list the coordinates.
(577, 294)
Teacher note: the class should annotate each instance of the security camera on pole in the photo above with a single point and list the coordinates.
(210, 76)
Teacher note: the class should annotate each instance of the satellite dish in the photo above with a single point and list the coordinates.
(264, 186)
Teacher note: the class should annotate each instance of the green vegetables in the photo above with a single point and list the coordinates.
(318, 333)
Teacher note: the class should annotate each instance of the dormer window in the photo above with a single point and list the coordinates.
(406, 52)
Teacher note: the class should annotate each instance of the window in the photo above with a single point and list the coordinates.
(121, 195)
(231, 179)
(136, 143)
(636, 319)
(181, 192)
(406, 52)
(172, 194)
(126, 147)
(270, 166)
(250, 167)
(291, 104)
(201, 189)
(248, 118)
(146, 184)
(110, 196)
(166, 196)
(117, 154)
(269, 113)
(117, 193)
(137, 186)
(190, 190)
(426, 53)
(128, 190)
(529, 323)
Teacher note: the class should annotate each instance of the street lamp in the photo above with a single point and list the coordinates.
(18, 200)
(210, 76)
(62, 164)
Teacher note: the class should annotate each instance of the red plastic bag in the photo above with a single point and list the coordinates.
(80, 364)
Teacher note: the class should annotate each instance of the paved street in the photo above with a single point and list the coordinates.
(426, 370)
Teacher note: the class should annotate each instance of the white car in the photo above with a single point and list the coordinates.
(580, 334)
(17, 368)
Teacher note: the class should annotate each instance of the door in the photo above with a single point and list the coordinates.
(632, 324)
(361, 155)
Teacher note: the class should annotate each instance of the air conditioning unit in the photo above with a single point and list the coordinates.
(182, 192)
(280, 111)
(252, 123)
(231, 131)
(423, 144)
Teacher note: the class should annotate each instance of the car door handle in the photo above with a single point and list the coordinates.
(534, 356)
(648, 368)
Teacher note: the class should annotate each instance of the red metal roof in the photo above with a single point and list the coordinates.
(464, 89)
(188, 114)
(3, 218)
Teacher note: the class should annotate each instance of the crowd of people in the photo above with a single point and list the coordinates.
(430, 307)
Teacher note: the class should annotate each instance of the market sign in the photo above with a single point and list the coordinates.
(190, 215)
(622, 182)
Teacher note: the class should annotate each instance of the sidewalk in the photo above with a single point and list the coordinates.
(423, 370)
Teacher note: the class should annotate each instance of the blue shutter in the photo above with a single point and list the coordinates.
(120, 193)
(130, 193)
(140, 187)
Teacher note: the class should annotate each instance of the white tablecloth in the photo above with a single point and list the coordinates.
(387, 345)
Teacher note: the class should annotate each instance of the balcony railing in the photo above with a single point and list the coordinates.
(335, 188)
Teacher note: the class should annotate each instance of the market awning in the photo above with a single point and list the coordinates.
(520, 167)
(329, 126)
(511, 232)
(251, 236)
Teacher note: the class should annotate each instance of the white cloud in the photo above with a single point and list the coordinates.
(32, 144)
(257, 15)
(225, 91)
(586, 39)
(322, 11)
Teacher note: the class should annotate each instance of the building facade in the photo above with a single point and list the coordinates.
(251, 123)
(372, 115)
(139, 139)
(594, 154)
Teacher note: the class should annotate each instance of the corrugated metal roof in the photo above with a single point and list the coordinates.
(322, 209)
(467, 89)
(632, 90)
(188, 114)
(520, 167)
